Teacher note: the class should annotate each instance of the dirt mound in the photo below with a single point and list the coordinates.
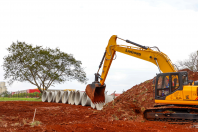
(191, 75)
(131, 104)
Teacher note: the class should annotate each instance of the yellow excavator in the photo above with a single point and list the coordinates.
(171, 87)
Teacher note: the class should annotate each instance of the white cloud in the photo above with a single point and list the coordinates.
(179, 4)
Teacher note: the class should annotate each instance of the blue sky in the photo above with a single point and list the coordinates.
(83, 29)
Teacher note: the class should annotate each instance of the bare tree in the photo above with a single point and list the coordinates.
(191, 63)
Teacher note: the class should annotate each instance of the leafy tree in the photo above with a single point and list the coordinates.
(191, 63)
(41, 67)
(5, 94)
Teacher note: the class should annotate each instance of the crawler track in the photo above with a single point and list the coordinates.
(172, 114)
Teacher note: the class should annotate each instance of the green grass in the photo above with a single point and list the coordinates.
(35, 123)
(19, 99)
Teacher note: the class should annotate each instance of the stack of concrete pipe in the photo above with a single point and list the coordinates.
(78, 97)
(45, 96)
(70, 101)
(59, 96)
(54, 97)
(86, 101)
(51, 96)
(65, 97)
(74, 97)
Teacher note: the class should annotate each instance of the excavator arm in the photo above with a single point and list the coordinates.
(95, 91)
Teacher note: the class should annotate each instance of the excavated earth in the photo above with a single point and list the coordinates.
(122, 114)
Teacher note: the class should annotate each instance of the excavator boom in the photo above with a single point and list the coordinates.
(95, 91)
(172, 88)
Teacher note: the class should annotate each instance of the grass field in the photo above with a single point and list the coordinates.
(19, 99)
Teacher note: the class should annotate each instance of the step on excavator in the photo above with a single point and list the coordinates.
(178, 95)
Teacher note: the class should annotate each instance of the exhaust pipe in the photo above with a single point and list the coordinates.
(78, 97)
(85, 100)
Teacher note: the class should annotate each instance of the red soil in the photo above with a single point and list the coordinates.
(122, 114)
(57, 117)
(131, 104)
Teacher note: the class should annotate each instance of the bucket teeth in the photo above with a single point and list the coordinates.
(99, 102)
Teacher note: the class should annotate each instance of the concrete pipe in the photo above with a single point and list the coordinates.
(45, 96)
(70, 97)
(73, 98)
(50, 96)
(99, 106)
(59, 96)
(65, 97)
(93, 105)
(113, 95)
(108, 98)
(54, 97)
(85, 100)
(78, 97)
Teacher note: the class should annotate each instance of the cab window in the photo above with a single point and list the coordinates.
(163, 87)
(159, 84)
(174, 82)
(184, 80)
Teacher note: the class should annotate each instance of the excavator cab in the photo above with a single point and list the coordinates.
(168, 83)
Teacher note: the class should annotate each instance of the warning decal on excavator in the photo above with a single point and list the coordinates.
(132, 52)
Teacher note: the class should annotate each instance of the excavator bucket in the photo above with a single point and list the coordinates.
(95, 92)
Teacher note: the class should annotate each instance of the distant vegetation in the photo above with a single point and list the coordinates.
(19, 99)
(21, 95)
(191, 63)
